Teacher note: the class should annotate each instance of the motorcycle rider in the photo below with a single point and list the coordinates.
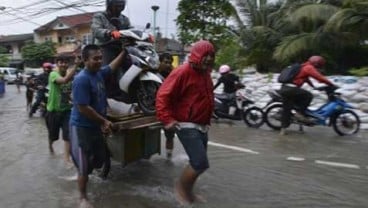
(105, 30)
(293, 94)
(41, 84)
(231, 85)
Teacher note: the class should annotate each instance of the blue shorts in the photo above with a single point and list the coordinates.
(87, 148)
(195, 145)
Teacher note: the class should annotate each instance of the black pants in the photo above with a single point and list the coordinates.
(40, 97)
(293, 96)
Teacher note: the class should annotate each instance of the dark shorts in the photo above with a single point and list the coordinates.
(56, 121)
(195, 145)
(169, 134)
(87, 148)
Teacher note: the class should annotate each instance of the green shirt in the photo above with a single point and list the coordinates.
(59, 94)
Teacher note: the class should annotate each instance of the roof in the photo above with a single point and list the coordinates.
(16, 38)
(71, 20)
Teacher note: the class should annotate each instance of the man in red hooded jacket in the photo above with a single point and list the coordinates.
(185, 102)
(294, 94)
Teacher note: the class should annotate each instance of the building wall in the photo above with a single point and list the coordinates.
(67, 39)
(14, 49)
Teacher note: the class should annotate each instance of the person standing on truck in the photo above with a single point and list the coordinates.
(88, 122)
(59, 104)
(165, 69)
(105, 29)
(185, 102)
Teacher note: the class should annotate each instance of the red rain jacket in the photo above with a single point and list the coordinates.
(187, 94)
(308, 70)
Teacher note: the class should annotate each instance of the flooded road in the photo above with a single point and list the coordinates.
(249, 168)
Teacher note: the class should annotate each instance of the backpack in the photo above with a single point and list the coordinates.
(288, 74)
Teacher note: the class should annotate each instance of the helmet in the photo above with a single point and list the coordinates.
(47, 65)
(224, 69)
(115, 2)
(317, 61)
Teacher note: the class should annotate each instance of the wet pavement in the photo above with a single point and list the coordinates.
(249, 168)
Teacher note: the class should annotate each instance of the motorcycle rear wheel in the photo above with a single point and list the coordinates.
(346, 123)
(253, 117)
(273, 115)
(146, 96)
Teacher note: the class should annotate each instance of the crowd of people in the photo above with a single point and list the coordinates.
(77, 103)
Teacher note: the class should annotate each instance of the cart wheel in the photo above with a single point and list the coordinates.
(106, 165)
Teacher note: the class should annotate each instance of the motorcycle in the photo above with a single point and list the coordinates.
(139, 80)
(335, 112)
(251, 115)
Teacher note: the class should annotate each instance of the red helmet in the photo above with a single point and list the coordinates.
(47, 65)
(317, 61)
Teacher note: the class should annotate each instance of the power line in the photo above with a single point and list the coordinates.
(47, 10)
(26, 20)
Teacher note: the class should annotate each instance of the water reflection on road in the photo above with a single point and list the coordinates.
(31, 177)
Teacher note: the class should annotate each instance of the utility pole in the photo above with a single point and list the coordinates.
(154, 8)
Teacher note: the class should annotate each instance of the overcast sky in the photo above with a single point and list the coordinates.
(23, 16)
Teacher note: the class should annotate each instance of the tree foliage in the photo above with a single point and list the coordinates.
(301, 28)
(35, 53)
(270, 34)
(4, 59)
(204, 19)
(230, 53)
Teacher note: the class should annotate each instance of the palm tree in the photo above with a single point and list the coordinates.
(334, 29)
(353, 17)
(306, 33)
(275, 34)
(258, 33)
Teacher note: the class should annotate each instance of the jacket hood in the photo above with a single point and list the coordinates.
(199, 50)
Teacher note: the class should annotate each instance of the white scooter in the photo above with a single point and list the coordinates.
(140, 80)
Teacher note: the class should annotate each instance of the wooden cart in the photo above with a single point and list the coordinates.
(135, 137)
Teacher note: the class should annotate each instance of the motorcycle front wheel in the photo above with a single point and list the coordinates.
(253, 117)
(273, 115)
(346, 123)
(146, 96)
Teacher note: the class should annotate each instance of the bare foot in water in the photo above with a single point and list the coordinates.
(84, 203)
(181, 196)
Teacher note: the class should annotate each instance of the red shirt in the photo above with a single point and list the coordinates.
(308, 70)
(186, 96)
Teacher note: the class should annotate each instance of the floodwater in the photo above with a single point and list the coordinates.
(249, 168)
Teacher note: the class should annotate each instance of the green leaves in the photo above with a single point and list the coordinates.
(206, 19)
(38, 52)
(4, 58)
(270, 34)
